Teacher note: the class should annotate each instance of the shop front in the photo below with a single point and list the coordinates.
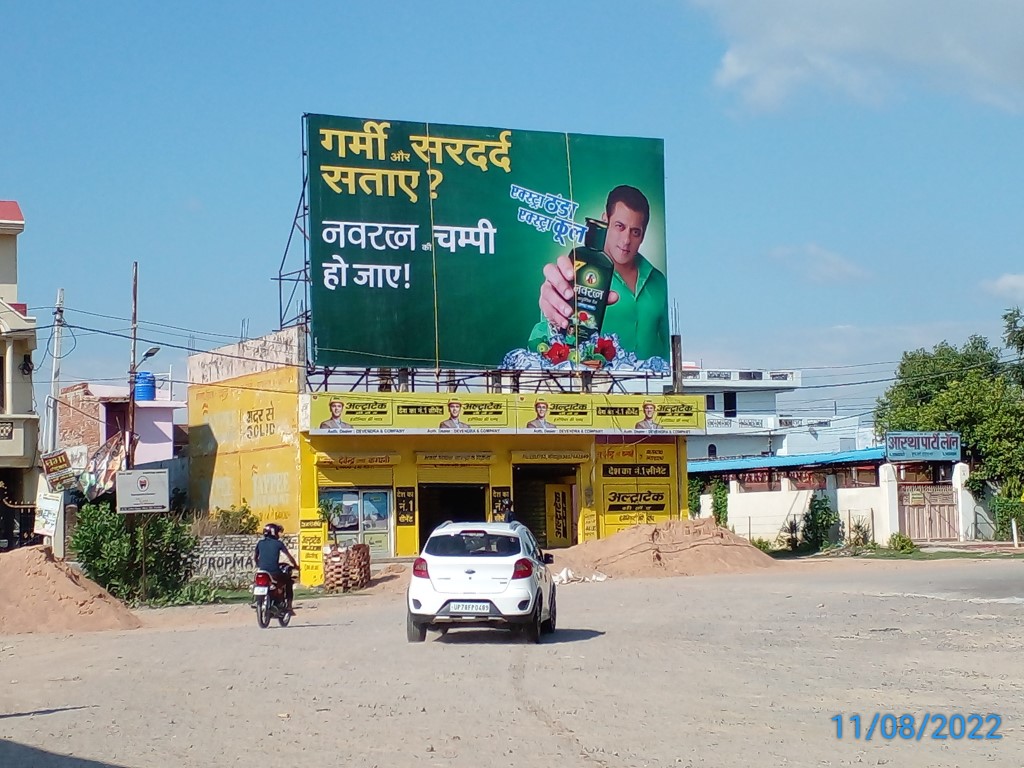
(371, 478)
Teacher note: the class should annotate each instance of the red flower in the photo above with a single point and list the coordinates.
(584, 317)
(606, 348)
(558, 353)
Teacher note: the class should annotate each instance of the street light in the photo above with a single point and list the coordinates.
(129, 450)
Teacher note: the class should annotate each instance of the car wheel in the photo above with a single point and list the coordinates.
(549, 626)
(414, 633)
(532, 631)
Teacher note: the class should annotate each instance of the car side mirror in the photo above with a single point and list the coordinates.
(548, 558)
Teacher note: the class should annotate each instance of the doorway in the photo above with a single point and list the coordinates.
(530, 499)
(458, 502)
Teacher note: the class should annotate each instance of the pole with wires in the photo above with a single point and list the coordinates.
(50, 439)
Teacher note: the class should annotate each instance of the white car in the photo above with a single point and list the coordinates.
(481, 575)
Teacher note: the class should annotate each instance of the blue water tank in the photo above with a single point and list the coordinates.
(145, 386)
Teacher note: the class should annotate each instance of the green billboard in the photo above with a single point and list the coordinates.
(445, 246)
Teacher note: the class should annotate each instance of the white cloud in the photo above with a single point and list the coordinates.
(1006, 286)
(820, 265)
(866, 47)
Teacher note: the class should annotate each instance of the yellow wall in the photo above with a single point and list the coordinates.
(244, 444)
(636, 483)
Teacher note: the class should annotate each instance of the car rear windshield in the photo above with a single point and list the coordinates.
(473, 544)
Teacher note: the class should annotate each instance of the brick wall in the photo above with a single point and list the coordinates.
(227, 560)
(78, 414)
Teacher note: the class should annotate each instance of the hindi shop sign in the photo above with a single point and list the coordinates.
(922, 446)
(60, 474)
(142, 490)
(428, 244)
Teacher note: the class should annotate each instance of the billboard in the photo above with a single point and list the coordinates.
(351, 413)
(445, 246)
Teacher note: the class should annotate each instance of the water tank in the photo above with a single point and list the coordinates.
(145, 386)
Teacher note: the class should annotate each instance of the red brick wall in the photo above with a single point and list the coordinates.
(74, 425)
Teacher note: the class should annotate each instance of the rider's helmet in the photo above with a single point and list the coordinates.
(270, 530)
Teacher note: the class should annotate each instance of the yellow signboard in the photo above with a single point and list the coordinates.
(441, 412)
(559, 512)
(312, 540)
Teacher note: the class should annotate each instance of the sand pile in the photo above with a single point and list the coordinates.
(40, 594)
(672, 548)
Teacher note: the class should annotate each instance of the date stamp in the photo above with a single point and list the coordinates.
(937, 726)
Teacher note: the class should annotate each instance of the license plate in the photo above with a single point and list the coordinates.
(259, 590)
(470, 608)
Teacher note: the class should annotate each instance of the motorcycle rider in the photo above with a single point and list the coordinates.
(267, 557)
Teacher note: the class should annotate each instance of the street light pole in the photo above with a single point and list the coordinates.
(129, 447)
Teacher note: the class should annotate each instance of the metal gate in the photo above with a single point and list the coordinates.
(928, 512)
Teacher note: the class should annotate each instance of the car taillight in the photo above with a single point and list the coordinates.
(419, 568)
(262, 579)
(523, 569)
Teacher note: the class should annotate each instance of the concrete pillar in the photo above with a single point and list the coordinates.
(887, 521)
(964, 503)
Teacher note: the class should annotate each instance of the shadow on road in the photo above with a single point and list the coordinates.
(23, 756)
(499, 637)
(42, 712)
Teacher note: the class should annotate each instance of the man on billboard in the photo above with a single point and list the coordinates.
(648, 423)
(541, 422)
(453, 421)
(638, 301)
(335, 423)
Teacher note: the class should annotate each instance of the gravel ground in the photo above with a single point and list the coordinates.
(700, 671)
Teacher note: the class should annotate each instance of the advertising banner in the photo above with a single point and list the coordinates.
(922, 446)
(440, 412)
(436, 246)
(60, 474)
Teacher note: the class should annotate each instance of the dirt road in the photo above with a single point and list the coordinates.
(701, 671)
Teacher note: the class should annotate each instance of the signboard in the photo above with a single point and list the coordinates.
(142, 490)
(439, 413)
(60, 474)
(922, 446)
(47, 512)
(428, 245)
(559, 511)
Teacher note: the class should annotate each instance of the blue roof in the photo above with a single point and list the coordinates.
(773, 462)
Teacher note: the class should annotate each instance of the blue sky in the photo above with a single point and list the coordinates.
(845, 180)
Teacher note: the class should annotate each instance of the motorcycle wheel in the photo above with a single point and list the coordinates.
(263, 612)
(284, 617)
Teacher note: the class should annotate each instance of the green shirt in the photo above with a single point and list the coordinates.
(640, 319)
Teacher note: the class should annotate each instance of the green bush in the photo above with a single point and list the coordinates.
(695, 485)
(115, 550)
(763, 544)
(902, 543)
(720, 502)
(1004, 511)
(240, 520)
(860, 533)
(819, 519)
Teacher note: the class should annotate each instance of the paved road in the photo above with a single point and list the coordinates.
(702, 671)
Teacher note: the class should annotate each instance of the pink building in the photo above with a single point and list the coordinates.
(90, 414)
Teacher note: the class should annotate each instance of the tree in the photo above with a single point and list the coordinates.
(966, 390)
(1013, 337)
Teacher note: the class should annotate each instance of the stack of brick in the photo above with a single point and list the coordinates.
(346, 567)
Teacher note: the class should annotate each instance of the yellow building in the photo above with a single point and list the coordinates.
(385, 468)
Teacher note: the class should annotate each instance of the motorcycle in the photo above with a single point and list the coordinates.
(269, 596)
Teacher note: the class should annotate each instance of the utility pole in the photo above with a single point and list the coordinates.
(129, 453)
(50, 439)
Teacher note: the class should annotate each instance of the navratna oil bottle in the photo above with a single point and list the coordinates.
(593, 282)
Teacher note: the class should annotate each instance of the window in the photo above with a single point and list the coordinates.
(709, 402)
(807, 479)
(712, 451)
(759, 480)
(729, 401)
(472, 544)
(362, 516)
